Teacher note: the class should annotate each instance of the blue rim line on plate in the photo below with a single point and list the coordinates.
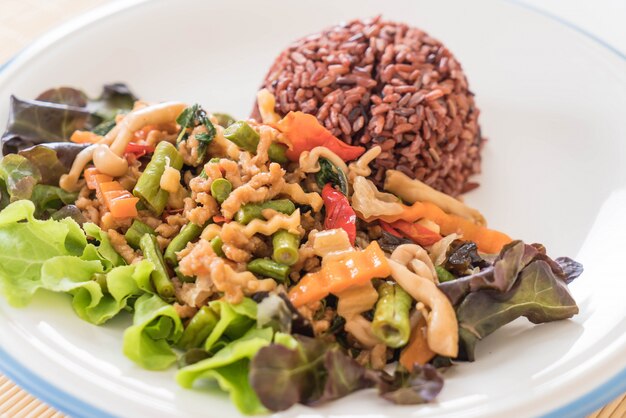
(46, 391)
(70, 405)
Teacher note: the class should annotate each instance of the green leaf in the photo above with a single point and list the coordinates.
(194, 116)
(229, 367)
(538, 294)
(156, 327)
(19, 175)
(92, 300)
(49, 199)
(106, 252)
(26, 243)
(329, 173)
(235, 321)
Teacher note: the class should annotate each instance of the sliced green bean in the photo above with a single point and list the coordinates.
(216, 245)
(137, 230)
(286, 247)
(187, 234)
(224, 119)
(220, 189)
(444, 275)
(160, 279)
(251, 211)
(246, 138)
(198, 328)
(148, 187)
(269, 268)
(391, 317)
(182, 277)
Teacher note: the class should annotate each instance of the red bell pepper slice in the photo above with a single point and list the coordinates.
(416, 232)
(139, 149)
(339, 213)
(390, 229)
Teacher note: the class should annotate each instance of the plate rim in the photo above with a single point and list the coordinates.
(47, 392)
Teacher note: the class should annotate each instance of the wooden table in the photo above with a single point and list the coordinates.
(21, 21)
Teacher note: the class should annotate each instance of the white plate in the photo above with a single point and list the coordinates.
(552, 104)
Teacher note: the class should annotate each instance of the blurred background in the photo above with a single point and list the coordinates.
(21, 21)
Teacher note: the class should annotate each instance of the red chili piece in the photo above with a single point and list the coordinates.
(139, 149)
(416, 232)
(339, 213)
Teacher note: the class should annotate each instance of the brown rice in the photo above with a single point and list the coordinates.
(383, 83)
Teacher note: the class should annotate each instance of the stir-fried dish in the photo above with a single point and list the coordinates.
(259, 254)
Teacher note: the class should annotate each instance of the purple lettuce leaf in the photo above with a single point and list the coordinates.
(422, 385)
(53, 160)
(316, 372)
(19, 176)
(56, 113)
(538, 294)
(499, 276)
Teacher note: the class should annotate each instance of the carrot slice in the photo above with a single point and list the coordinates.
(417, 350)
(124, 207)
(85, 137)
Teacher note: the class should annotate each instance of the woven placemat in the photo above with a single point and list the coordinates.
(21, 21)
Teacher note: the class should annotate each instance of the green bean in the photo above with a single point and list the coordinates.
(216, 245)
(137, 230)
(160, 279)
(187, 234)
(198, 328)
(286, 247)
(391, 317)
(444, 275)
(148, 187)
(269, 268)
(224, 119)
(246, 138)
(220, 189)
(182, 277)
(251, 211)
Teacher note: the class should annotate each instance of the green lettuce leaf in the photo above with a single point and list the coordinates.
(229, 367)
(156, 326)
(538, 294)
(49, 199)
(26, 243)
(235, 321)
(96, 296)
(105, 250)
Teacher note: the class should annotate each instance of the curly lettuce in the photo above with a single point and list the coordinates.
(98, 300)
(26, 244)
(229, 368)
(156, 327)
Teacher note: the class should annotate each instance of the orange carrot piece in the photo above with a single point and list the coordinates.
(93, 178)
(488, 240)
(108, 186)
(85, 137)
(305, 133)
(417, 350)
(354, 269)
(125, 207)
